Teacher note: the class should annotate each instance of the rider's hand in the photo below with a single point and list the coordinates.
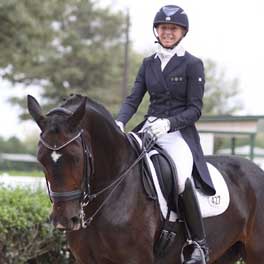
(159, 127)
(120, 125)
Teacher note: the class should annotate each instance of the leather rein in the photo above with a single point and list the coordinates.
(85, 196)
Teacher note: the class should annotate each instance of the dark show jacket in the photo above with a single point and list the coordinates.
(175, 93)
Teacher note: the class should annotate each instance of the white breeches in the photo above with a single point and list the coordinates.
(180, 153)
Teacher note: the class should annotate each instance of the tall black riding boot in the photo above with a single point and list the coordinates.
(195, 225)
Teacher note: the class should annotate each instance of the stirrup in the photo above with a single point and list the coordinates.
(196, 245)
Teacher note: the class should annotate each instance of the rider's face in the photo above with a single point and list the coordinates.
(169, 34)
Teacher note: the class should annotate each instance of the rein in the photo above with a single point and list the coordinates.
(88, 172)
(115, 183)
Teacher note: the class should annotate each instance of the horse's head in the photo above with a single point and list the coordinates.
(64, 157)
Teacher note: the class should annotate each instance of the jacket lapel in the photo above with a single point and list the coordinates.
(156, 67)
(174, 62)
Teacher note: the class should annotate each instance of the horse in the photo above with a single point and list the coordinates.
(94, 181)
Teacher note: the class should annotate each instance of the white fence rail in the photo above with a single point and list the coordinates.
(33, 183)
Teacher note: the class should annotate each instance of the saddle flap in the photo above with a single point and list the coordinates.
(165, 172)
(167, 175)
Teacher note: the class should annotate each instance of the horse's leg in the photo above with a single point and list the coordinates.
(233, 254)
(254, 244)
(255, 249)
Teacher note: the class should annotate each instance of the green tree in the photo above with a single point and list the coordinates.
(11, 145)
(221, 96)
(221, 93)
(63, 47)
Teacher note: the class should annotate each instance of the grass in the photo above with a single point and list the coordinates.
(34, 173)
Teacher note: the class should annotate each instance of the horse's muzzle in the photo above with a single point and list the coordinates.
(64, 224)
(66, 216)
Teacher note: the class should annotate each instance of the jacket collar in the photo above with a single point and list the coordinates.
(173, 63)
(176, 57)
(163, 53)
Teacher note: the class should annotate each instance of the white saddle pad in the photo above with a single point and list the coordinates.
(218, 203)
(210, 205)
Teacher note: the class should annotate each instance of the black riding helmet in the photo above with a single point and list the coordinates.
(171, 14)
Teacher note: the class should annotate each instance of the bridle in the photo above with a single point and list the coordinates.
(88, 170)
(85, 195)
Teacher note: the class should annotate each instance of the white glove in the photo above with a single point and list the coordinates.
(120, 125)
(159, 127)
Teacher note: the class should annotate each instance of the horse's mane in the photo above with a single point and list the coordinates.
(71, 103)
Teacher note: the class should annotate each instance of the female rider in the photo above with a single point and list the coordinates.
(175, 81)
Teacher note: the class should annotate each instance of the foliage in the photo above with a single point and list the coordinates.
(16, 146)
(76, 46)
(25, 234)
(221, 94)
(12, 144)
(23, 167)
(64, 46)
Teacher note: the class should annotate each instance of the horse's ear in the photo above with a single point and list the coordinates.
(77, 116)
(36, 112)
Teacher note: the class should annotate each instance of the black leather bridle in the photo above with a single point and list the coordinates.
(88, 171)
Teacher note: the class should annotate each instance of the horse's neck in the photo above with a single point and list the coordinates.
(111, 153)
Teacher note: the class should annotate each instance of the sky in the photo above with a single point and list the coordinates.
(230, 32)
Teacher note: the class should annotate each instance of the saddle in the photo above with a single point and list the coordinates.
(167, 178)
(165, 182)
(165, 170)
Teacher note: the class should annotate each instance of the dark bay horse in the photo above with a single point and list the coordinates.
(84, 153)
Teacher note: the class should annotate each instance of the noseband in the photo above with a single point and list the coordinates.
(86, 196)
(87, 171)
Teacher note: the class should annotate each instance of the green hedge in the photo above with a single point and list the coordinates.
(26, 237)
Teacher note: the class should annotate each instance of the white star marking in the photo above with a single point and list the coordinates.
(55, 156)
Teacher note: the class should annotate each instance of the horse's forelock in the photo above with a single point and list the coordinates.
(56, 122)
(55, 128)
